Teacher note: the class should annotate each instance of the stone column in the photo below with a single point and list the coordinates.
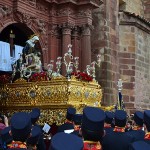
(66, 39)
(53, 44)
(76, 45)
(86, 47)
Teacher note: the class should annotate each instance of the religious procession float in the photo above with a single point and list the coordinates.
(29, 86)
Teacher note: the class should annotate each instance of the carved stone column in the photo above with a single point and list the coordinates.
(86, 46)
(53, 42)
(66, 39)
(76, 44)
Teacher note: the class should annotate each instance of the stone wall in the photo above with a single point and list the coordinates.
(105, 41)
(134, 6)
(127, 63)
(124, 48)
(134, 66)
(146, 9)
(142, 70)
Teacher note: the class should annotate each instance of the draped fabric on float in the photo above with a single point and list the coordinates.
(5, 59)
(18, 50)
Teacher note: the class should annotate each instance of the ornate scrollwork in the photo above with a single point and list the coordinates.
(41, 26)
(5, 11)
(24, 17)
(53, 97)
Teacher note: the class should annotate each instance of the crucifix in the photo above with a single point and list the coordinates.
(11, 41)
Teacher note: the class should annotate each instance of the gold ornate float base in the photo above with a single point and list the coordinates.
(52, 97)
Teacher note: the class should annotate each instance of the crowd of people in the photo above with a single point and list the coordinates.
(94, 129)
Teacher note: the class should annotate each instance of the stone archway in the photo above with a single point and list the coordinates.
(21, 32)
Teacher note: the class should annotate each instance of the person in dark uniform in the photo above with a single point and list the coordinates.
(137, 130)
(118, 139)
(147, 124)
(35, 114)
(139, 145)
(108, 122)
(77, 121)
(6, 137)
(64, 141)
(33, 140)
(92, 128)
(20, 130)
(69, 120)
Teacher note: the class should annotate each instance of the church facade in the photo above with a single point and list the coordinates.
(115, 29)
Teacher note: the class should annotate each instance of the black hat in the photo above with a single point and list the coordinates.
(5, 135)
(64, 141)
(139, 145)
(138, 118)
(93, 119)
(120, 118)
(109, 117)
(34, 116)
(20, 126)
(147, 119)
(70, 113)
(77, 119)
(36, 110)
(35, 134)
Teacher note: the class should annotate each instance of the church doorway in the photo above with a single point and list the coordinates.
(14, 36)
(21, 33)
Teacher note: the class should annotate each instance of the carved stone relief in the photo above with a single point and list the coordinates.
(24, 18)
(54, 29)
(42, 8)
(64, 12)
(85, 13)
(41, 26)
(86, 29)
(5, 11)
(67, 28)
(31, 2)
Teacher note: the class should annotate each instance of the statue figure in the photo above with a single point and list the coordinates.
(29, 48)
(35, 65)
(30, 59)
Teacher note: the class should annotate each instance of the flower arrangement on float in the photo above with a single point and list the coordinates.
(5, 78)
(32, 72)
(41, 76)
(82, 76)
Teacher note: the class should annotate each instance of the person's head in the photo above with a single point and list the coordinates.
(1, 118)
(32, 41)
(35, 39)
(120, 118)
(129, 124)
(20, 126)
(6, 136)
(147, 119)
(77, 119)
(35, 114)
(70, 113)
(35, 135)
(93, 123)
(139, 145)
(64, 141)
(138, 118)
(109, 117)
